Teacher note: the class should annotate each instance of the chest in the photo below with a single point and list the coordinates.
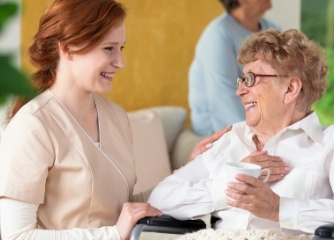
(309, 161)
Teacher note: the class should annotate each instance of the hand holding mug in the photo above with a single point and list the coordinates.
(249, 192)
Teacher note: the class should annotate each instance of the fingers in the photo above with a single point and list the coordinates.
(246, 180)
(278, 168)
(238, 194)
(274, 177)
(256, 153)
(220, 133)
(256, 157)
(256, 198)
(130, 214)
(263, 159)
(267, 158)
(277, 171)
(140, 210)
(207, 142)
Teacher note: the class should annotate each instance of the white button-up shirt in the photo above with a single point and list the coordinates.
(306, 192)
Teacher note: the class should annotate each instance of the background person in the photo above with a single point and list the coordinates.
(67, 167)
(284, 74)
(212, 74)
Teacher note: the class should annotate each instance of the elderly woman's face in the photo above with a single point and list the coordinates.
(264, 100)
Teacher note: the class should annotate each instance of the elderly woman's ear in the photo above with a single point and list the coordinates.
(294, 88)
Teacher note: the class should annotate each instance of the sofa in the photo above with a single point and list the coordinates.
(161, 142)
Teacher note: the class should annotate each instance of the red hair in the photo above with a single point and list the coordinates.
(68, 22)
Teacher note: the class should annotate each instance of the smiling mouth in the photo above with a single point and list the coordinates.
(249, 105)
(108, 75)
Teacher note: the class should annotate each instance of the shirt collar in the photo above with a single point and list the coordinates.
(309, 124)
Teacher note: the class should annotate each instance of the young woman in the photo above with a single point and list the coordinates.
(66, 159)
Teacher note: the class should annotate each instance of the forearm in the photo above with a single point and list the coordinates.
(18, 221)
(183, 199)
(187, 193)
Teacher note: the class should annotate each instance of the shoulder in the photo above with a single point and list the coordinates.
(37, 104)
(220, 25)
(33, 113)
(220, 32)
(29, 129)
(328, 133)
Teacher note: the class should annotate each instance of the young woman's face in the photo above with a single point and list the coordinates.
(94, 71)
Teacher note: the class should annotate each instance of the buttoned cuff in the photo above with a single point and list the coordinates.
(218, 193)
(289, 213)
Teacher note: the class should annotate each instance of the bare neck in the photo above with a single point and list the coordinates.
(248, 20)
(77, 102)
(265, 131)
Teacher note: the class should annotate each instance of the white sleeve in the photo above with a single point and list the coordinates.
(305, 215)
(187, 193)
(18, 221)
(308, 214)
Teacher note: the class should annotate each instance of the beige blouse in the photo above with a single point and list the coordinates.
(46, 158)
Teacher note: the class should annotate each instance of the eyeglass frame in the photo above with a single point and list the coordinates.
(240, 80)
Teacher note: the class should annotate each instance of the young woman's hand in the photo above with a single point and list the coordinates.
(206, 142)
(130, 214)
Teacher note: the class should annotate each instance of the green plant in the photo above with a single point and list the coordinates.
(324, 107)
(12, 80)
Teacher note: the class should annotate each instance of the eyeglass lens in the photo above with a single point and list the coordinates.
(249, 79)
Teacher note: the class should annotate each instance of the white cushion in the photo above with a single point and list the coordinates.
(150, 149)
(184, 146)
(173, 119)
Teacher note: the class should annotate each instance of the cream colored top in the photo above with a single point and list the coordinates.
(47, 159)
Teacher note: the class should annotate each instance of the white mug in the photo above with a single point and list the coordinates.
(254, 170)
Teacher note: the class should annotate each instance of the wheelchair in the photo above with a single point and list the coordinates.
(168, 224)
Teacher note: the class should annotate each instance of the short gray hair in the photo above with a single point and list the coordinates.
(292, 53)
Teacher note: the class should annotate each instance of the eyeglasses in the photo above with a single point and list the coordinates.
(250, 77)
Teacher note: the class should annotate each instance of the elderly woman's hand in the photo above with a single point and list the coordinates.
(278, 168)
(255, 196)
(206, 143)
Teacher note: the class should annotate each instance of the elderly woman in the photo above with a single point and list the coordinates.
(284, 74)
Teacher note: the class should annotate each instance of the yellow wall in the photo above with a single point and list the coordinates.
(161, 37)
